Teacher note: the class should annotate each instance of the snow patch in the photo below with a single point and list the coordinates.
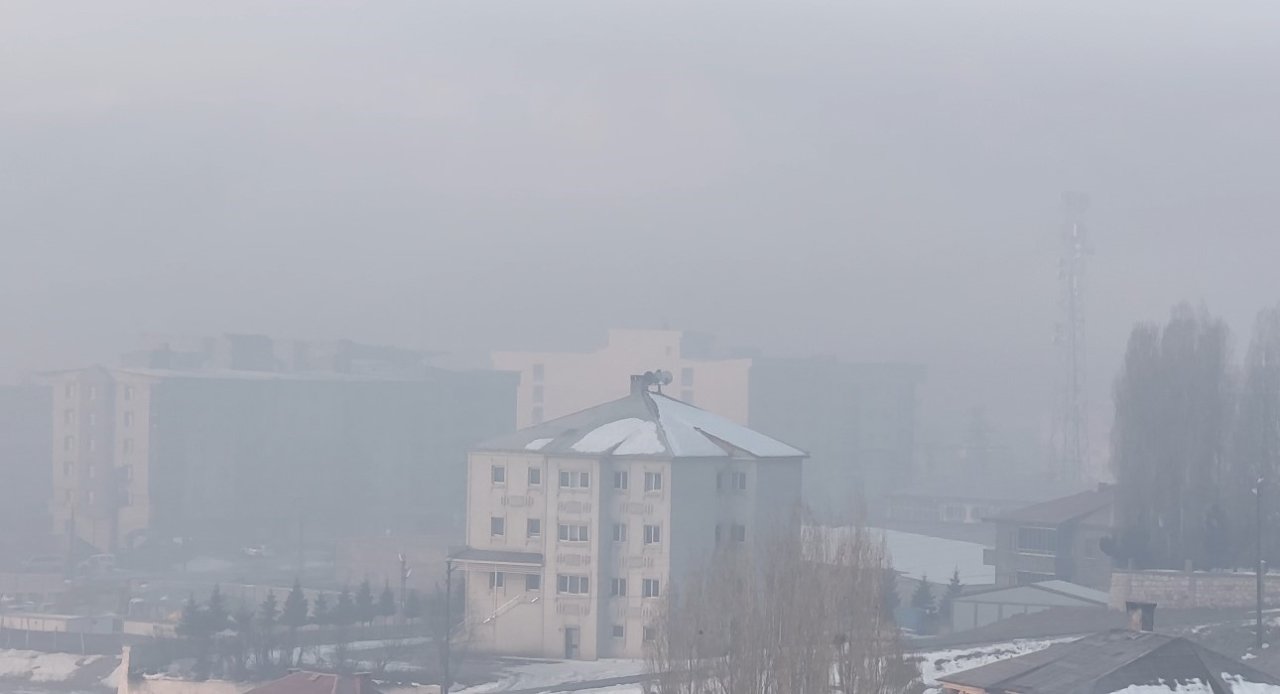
(551, 674)
(1188, 687)
(686, 425)
(537, 444)
(629, 436)
(42, 667)
(938, 664)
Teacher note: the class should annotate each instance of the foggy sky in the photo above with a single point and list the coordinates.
(876, 180)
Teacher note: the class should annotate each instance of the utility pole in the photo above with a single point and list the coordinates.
(1257, 497)
(404, 580)
(446, 680)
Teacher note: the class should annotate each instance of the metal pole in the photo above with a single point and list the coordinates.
(1257, 493)
(404, 579)
(448, 624)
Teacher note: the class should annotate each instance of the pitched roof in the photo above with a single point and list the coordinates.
(1110, 661)
(1062, 509)
(644, 424)
(317, 683)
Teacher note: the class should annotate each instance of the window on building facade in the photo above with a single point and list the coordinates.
(127, 471)
(620, 479)
(537, 394)
(619, 532)
(535, 477)
(538, 372)
(69, 391)
(128, 419)
(653, 481)
(128, 392)
(68, 443)
(533, 527)
(533, 581)
(93, 496)
(90, 468)
(93, 444)
(649, 588)
(93, 392)
(497, 579)
(619, 631)
(93, 418)
(618, 588)
(69, 417)
(571, 479)
(739, 532)
(686, 377)
(572, 585)
(652, 534)
(1033, 540)
(650, 634)
(731, 481)
(127, 445)
(497, 526)
(498, 474)
(573, 533)
(66, 468)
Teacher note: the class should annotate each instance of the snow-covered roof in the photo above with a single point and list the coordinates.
(644, 424)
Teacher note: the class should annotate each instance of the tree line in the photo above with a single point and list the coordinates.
(263, 640)
(1195, 437)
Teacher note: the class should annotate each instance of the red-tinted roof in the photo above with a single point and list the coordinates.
(317, 683)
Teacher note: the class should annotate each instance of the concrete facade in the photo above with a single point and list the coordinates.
(569, 553)
(1058, 539)
(241, 456)
(1188, 589)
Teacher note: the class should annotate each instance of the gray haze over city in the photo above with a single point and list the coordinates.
(878, 181)
(847, 346)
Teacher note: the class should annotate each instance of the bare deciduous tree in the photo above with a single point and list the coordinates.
(801, 613)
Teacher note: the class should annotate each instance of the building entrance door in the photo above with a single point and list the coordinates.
(572, 640)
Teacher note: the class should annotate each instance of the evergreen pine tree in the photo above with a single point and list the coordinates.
(294, 616)
(190, 625)
(365, 607)
(216, 614)
(269, 611)
(320, 613)
(889, 591)
(949, 597)
(412, 605)
(922, 598)
(344, 612)
(387, 601)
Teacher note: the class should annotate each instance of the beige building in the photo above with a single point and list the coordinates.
(554, 384)
(576, 527)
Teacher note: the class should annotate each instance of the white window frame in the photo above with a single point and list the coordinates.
(619, 532)
(575, 479)
(618, 588)
(621, 480)
(497, 580)
(571, 532)
(498, 524)
(530, 530)
(652, 534)
(650, 588)
(573, 584)
(652, 482)
(534, 579)
(498, 475)
(535, 476)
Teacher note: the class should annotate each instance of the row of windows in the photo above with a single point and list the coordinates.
(566, 532)
(91, 392)
(620, 632)
(572, 584)
(735, 533)
(69, 444)
(731, 480)
(572, 479)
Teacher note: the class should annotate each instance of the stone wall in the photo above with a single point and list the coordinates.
(1183, 589)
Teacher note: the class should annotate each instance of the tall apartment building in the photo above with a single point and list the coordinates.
(858, 421)
(229, 450)
(576, 526)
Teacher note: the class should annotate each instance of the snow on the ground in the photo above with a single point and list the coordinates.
(536, 674)
(42, 667)
(935, 664)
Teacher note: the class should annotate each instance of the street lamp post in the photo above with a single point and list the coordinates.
(446, 679)
(1257, 497)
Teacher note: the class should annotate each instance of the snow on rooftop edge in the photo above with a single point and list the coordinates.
(630, 436)
(537, 444)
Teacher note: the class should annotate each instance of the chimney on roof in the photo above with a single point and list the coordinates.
(641, 382)
(1142, 615)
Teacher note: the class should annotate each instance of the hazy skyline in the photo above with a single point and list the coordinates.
(878, 181)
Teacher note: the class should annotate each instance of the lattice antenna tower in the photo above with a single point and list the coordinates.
(1076, 249)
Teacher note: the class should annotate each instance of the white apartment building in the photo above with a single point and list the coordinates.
(576, 527)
